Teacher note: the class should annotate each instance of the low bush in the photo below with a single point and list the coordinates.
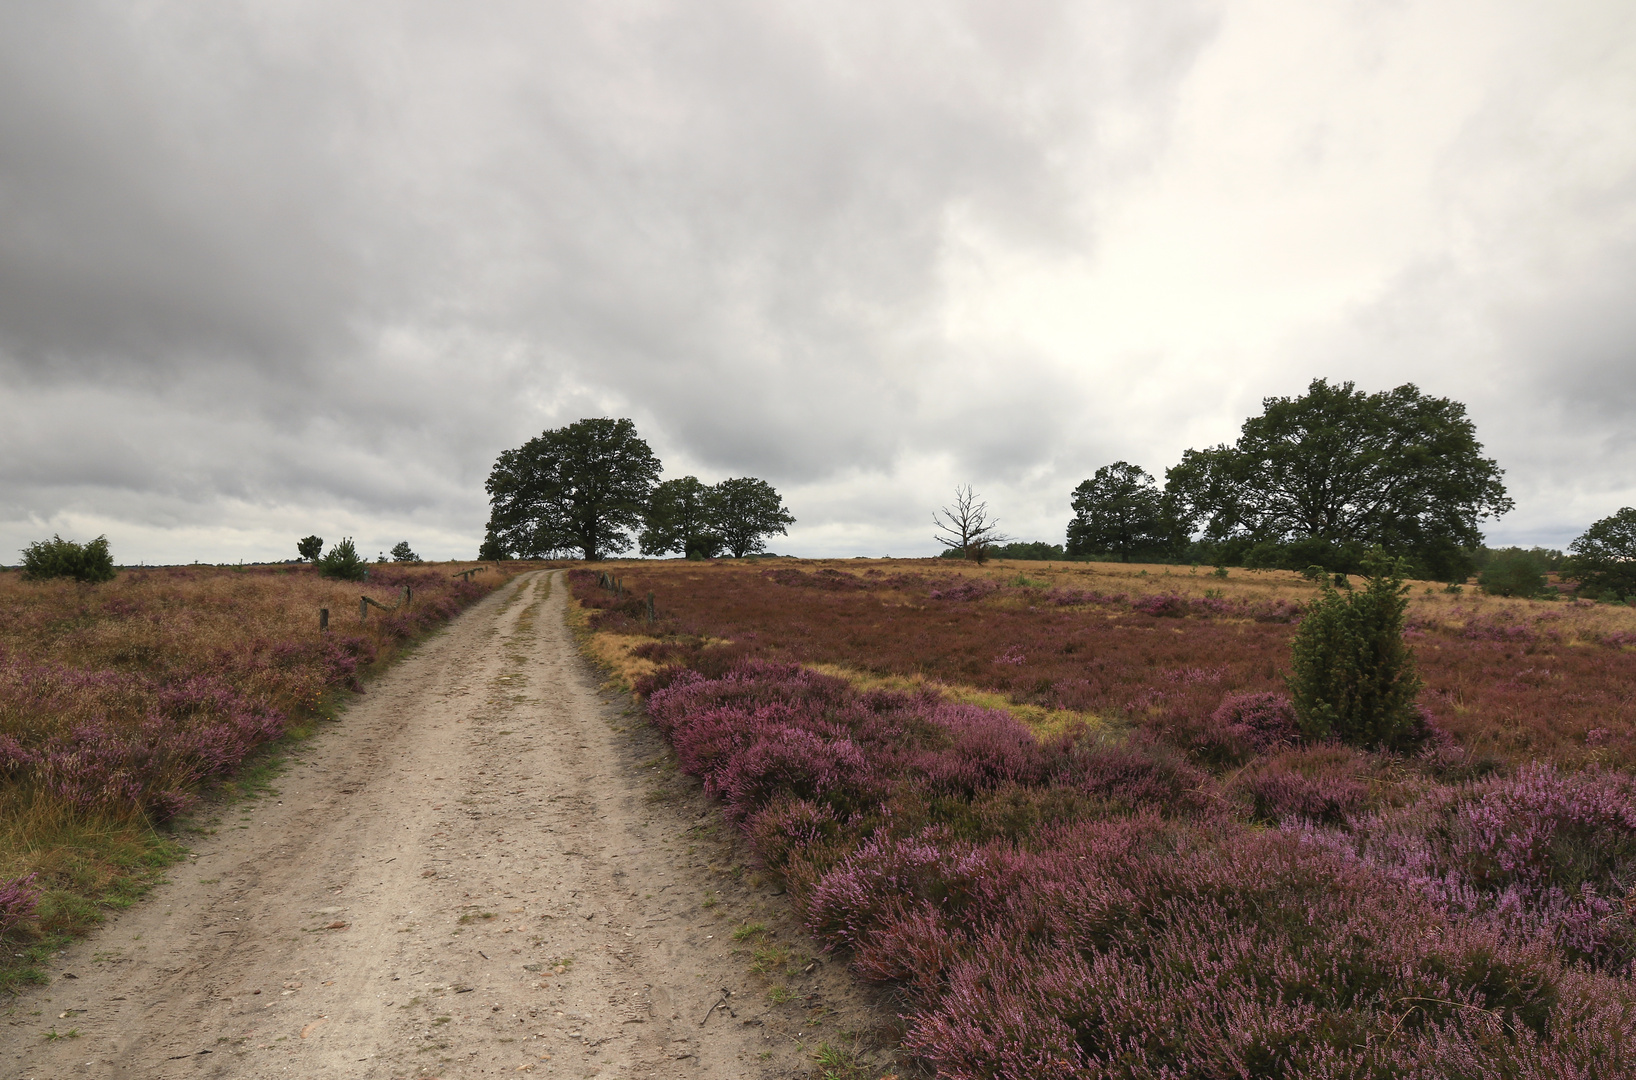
(343, 562)
(1541, 854)
(1066, 909)
(1353, 676)
(119, 706)
(18, 899)
(59, 558)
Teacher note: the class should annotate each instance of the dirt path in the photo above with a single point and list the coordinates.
(485, 868)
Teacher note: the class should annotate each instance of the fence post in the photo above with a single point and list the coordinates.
(323, 618)
(652, 616)
(363, 608)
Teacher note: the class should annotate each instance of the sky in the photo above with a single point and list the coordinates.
(279, 268)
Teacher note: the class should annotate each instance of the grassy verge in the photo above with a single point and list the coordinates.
(88, 864)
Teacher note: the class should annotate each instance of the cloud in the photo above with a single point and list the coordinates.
(270, 266)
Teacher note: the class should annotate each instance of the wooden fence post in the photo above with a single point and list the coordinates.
(323, 618)
(363, 608)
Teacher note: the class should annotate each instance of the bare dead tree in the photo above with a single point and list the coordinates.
(966, 526)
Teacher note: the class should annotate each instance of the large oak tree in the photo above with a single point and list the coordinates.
(1399, 469)
(681, 517)
(747, 511)
(1119, 509)
(580, 488)
(1604, 558)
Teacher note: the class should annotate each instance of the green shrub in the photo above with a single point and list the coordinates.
(343, 562)
(1353, 676)
(57, 557)
(310, 548)
(1513, 572)
(404, 553)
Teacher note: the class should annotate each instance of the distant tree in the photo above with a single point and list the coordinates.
(492, 550)
(1396, 469)
(1604, 558)
(1353, 677)
(310, 548)
(343, 562)
(402, 553)
(746, 511)
(578, 488)
(966, 526)
(57, 557)
(681, 517)
(1513, 572)
(1119, 509)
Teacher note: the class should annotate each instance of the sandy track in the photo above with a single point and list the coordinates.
(474, 873)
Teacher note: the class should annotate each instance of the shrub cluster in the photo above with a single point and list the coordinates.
(110, 716)
(59, 558)
(1507, 680)
(1067, 909)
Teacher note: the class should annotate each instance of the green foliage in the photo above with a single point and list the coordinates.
(1604, 558)
(57, 557)
(343, 562)
(1513, 572)
(1121, 510)
(1547, 558)
(1353, 676)
(580, 488)
(402, 553)
(1395, 469)
(681, 517)
(492, 550)
(747, 511)
(310, 548)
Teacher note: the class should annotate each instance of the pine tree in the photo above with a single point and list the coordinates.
(1354, 676)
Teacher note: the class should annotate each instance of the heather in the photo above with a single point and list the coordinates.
(122, 702)
(1156, 647)
(1186, 882)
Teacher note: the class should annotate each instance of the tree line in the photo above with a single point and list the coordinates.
(593, 487)
(1324, 478)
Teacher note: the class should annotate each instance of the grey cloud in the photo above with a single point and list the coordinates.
(272, 263)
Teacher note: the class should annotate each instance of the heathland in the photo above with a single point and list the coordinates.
(1066, 813)
(122, 704)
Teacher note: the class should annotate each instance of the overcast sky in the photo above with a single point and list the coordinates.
(268, 269)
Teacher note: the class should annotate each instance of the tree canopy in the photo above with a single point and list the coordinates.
(682, 517)
(1513, 572)
(581, 488)
(1398, 469)
(1119, 509)
(1604, 558)
(747, 511)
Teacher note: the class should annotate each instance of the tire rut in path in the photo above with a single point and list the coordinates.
(467, 875)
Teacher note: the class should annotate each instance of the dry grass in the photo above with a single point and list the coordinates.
(122, 703)
(1057, 643)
